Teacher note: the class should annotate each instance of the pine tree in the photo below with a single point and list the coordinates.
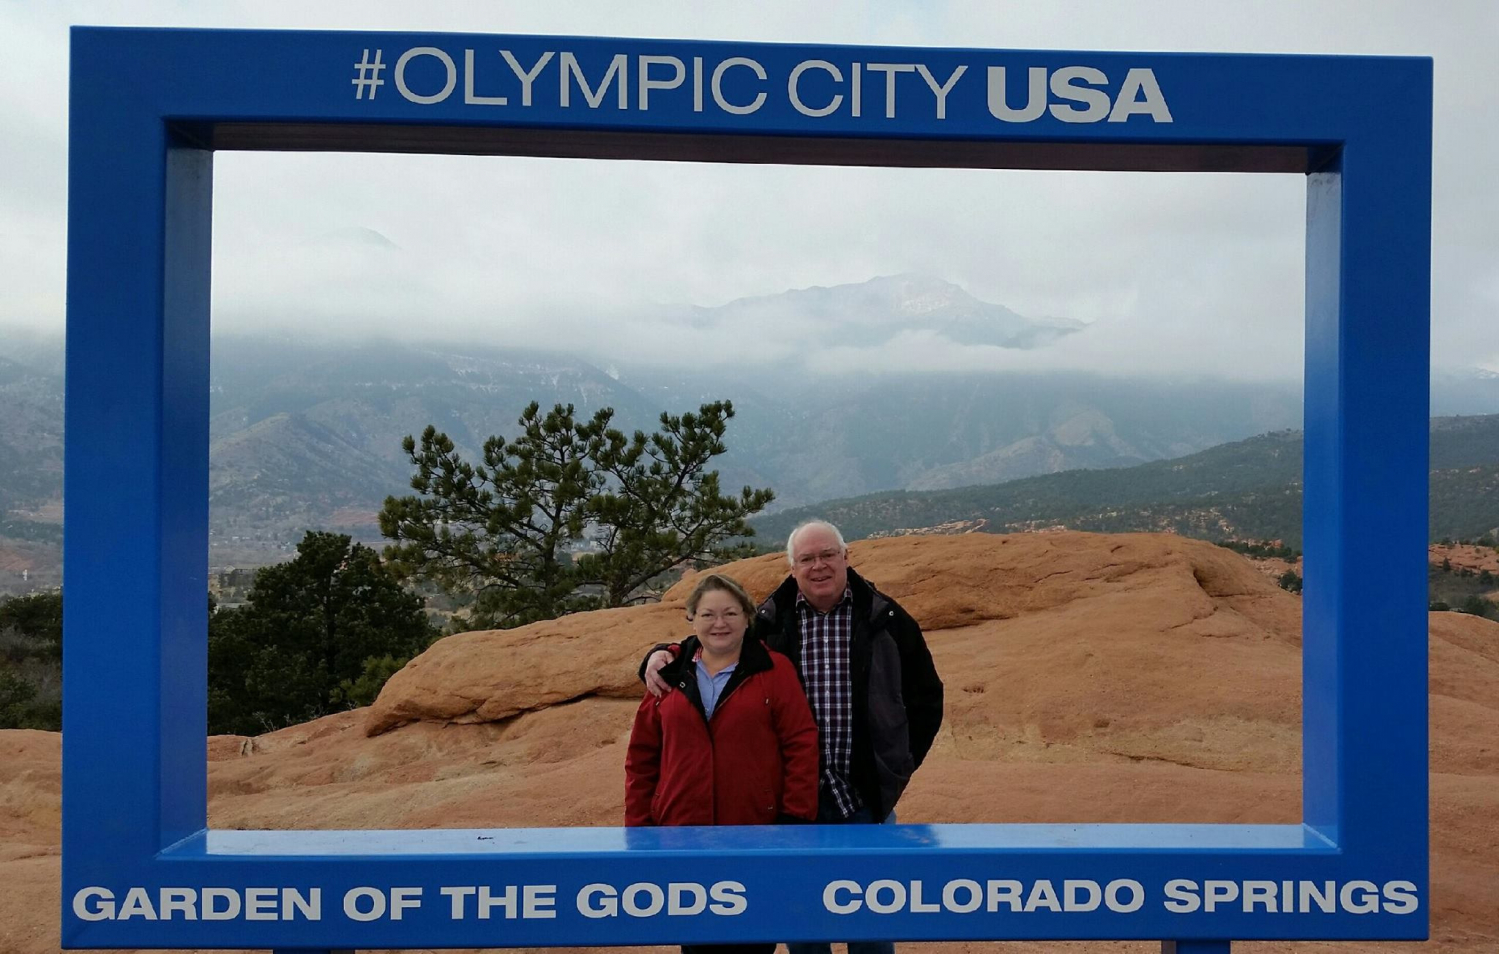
(569, 515)
(309, 626)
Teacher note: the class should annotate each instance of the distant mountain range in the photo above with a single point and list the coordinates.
(306, 434)
(1246, 490)
(878, 310)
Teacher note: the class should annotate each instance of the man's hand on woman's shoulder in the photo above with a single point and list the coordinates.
(654, 663)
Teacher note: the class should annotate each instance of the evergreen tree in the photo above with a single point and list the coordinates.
(1478, 606)
(31, 662)
(663, 506)
(309, 626)
(500, 530)
(571, 514)
(37, 616)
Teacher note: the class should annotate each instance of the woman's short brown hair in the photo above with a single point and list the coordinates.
(724, 584)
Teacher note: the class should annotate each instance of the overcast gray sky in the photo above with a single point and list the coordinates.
(1174, 273)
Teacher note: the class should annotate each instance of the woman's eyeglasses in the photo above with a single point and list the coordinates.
(728, 616)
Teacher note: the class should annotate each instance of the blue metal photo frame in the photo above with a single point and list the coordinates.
(150, 106)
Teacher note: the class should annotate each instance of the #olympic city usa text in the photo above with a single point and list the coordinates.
(742, 85)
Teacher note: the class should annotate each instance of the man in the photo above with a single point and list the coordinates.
(868, 674)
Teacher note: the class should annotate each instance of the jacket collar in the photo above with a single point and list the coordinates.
(868, 601)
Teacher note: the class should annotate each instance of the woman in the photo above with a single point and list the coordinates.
(735, 743)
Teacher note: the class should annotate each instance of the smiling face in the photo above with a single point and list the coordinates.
(820, 565)
(720, 623)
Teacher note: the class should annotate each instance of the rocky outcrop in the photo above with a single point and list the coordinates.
(1103, 642)
(1090, 678)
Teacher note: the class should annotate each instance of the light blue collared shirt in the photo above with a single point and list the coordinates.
(711, 687)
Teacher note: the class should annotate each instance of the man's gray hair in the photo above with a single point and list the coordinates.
(804, 525)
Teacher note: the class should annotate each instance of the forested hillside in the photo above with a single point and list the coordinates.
(1248, 489)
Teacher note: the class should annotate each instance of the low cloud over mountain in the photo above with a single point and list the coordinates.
(876, 312)
(901, 383)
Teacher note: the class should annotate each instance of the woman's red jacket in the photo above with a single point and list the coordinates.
(753, 763)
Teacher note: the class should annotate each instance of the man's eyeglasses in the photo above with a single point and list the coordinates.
(808, 560)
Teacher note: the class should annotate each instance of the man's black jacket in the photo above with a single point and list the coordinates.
(897, 695)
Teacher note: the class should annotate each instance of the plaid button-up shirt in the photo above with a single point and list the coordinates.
(828, 676)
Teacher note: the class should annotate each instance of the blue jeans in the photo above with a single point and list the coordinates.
(827, 814)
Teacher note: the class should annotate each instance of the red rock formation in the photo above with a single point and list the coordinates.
(1091, 678)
